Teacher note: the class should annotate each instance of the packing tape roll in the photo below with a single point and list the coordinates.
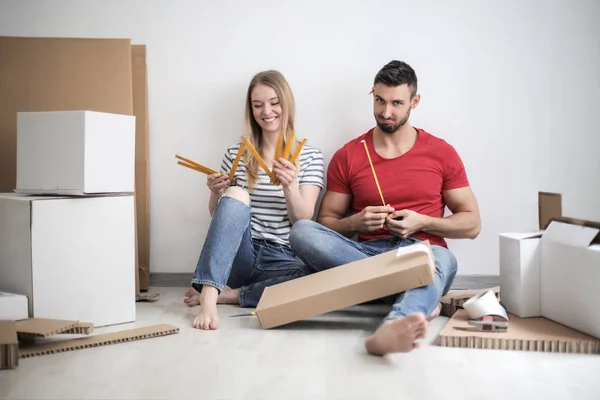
(484, 304)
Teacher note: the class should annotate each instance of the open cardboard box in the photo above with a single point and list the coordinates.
(553, 272)
(354, 283)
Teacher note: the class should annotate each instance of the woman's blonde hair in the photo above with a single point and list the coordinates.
(275, 80)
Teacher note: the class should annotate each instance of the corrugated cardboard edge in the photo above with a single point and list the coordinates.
(98, 340)
(454, 299)
(147, 297)
(9, 345)
(493, 341)
(43, 327)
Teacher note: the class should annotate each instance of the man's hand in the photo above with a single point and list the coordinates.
(410, 223)
(285, 171)
(370, 218)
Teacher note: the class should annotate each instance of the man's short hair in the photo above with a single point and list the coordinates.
(396, 73)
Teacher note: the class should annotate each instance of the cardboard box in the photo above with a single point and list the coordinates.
(75, 153)
(72, 257)
(520, 273)
(569, 276)
(13, 307)
(358, 282)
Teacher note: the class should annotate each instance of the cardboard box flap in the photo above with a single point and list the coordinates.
(571, 233)
(549, 207)
(523, 235)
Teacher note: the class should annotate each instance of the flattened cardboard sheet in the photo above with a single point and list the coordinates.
(44, 327)
(454, 299)
(39, 349)
(142, 173)
(9, 344)
(524, 334)
(148, 297)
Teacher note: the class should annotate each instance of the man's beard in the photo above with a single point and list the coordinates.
(391, 129)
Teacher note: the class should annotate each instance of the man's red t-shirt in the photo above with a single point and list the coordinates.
(413, 181)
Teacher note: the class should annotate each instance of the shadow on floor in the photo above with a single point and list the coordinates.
(330, 324)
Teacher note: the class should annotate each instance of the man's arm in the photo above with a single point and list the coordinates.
(465, 221)
(334, 212)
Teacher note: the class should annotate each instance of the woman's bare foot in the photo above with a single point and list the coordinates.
(435, 313)
(208, 317)
(397, 335)
(227, 296)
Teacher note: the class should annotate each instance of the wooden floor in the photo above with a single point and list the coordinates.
(322, 358)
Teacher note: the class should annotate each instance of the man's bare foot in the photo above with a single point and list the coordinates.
(397, 335)
(227, 296)
(192, 297)
(435, 313)
(208, 317)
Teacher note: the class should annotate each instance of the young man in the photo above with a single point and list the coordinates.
(419, 175)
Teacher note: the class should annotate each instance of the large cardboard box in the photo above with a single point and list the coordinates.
(75, 153)
(569, 275)
(358, 282)
(13, 306)
(72, 257)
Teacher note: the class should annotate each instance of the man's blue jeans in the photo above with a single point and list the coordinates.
(230, 256)
(321, 248)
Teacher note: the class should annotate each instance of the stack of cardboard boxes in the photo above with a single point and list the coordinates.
(67, 236)
(553, 272)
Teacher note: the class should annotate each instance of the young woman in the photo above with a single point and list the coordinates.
(247, 247)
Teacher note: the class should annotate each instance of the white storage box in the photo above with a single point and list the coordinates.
(13, 306)
(520, 273)
(74, 258)
(569, 276)
(75, 153)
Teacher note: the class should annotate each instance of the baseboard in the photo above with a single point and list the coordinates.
(167, 279)
(160, 279)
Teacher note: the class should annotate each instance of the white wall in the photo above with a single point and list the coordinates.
(499, 80)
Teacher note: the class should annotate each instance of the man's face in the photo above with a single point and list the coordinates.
(392, 106)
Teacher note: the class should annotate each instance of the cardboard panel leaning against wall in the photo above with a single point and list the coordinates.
(142, 176)
(56, 74)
